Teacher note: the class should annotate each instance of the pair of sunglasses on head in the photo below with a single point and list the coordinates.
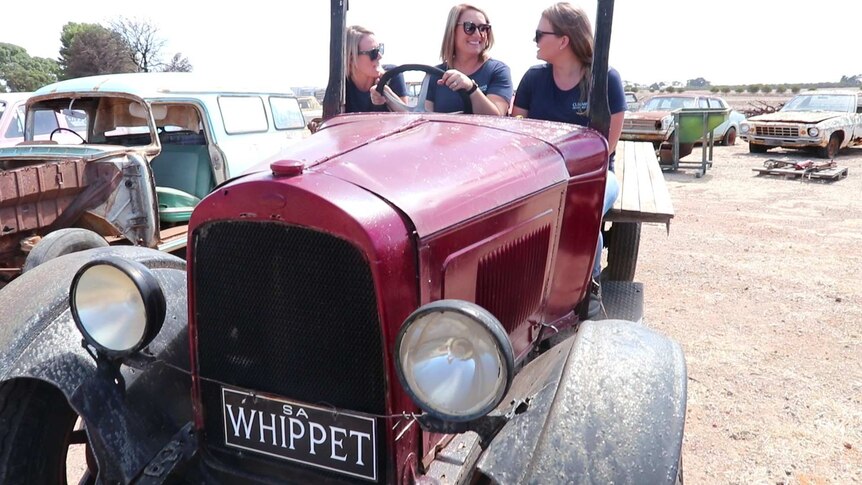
(374, 53)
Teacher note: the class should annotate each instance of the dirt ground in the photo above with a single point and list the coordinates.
(759, 281)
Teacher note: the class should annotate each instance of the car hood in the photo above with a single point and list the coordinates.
(647, 115)
(798, 116)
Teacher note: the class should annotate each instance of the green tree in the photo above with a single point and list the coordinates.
(22, 72)
(713, 89)
(781, 89)
(725, 89)
(739, 89)
(766, 88)
(93, 50)
(754, 88)
(794, 89)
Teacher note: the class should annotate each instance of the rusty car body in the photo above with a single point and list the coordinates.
(386, 302)
(131, 156)
(824, 121)
(653, 122)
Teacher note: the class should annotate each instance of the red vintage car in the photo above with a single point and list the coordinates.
(394, 300)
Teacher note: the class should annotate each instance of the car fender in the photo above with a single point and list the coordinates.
(605, 406)
(127, 425)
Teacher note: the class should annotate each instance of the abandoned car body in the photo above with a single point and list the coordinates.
(653, 122)
(138, 152)
(354, 230)
(822, 121)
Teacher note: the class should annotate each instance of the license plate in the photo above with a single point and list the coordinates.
(320, 437)
(773, 142)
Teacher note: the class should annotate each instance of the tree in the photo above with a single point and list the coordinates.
(739, 89)
(143, 41)
(794, 89)
(725, 89)
(766, 89)
(24, 73)
(697, 83)
(96, 50)
(178, 64)
(781, 89)
(753, 88)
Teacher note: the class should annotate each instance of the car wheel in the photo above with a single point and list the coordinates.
(623, 244)
(831, 149)
(37, 427)
(62, 242)
(755, 148)
(729, 137)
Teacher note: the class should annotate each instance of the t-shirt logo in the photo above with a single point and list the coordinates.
(579, 106)
(483, 87)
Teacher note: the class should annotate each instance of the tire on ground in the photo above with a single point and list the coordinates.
(62, 242)
(36, 422)
(624, 241)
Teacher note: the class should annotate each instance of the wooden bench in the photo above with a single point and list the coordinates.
(643, 198)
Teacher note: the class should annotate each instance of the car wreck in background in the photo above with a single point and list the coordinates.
(824, 122)
(125, 158)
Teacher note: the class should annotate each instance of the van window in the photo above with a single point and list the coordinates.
(16, 124)
(243, 114)
(286, 113)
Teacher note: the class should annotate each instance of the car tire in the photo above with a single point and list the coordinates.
(755, 148)
(62, 242)
(729, 137)
(36, 425)
(623, 245)
(831, 149)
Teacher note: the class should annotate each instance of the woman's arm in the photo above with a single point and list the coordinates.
(482, 104)
(615, 131)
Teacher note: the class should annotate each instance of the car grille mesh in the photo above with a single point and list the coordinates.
(786, 131)
(290, 311)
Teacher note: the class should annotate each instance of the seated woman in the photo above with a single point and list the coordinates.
(363, 55)
(559, 90)
(464, 52)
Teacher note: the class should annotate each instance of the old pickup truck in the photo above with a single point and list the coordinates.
(387, 301)
(822, 121)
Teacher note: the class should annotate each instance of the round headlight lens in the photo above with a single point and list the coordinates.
(117, 305)
(455, 360)
(744, 128)
(813, 131)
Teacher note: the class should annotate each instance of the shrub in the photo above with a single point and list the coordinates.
(780, 89)
(766, 89)
(713, 89)
(753, 88)
(739, 89)
(794, 89)
(725, 89)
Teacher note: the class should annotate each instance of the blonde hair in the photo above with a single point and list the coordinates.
(447, 48)
(574, 24)
(353, 36)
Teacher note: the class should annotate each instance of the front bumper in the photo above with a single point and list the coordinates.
(787, 142)
(651, 136)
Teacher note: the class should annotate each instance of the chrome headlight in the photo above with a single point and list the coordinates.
(454, 359)
(118, 306)
(813, 131)
(666, 122)
(744, 128)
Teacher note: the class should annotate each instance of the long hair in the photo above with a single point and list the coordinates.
(574, 24)
(447, 48)
(353, 37)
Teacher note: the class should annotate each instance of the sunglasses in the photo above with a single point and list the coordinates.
(470, 28)
(374, 53)
(540, 33)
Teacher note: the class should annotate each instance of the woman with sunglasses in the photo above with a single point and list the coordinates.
(363, 70)
(559, 90)
(468, 67)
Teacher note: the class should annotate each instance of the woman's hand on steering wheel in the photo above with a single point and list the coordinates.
(420, 105)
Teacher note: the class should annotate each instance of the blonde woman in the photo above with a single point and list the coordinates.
(559, 90)
(363, 55)
(468, 67)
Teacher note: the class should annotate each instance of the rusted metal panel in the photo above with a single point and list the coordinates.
(34, 196)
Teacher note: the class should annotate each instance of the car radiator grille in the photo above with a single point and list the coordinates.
(285, 310)
(639, 125)
(787, 131)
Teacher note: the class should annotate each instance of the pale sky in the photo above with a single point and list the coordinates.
(726, 41)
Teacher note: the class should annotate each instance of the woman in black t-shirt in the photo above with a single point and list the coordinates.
(363, 55)
(558, 91)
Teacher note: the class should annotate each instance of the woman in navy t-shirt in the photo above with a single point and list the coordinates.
(558, 91)
(464, 52)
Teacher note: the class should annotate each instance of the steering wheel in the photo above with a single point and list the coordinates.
(60, 128)
(420, 104)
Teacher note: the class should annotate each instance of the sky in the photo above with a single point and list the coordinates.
(725, 42)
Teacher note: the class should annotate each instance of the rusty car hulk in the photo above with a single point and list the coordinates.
(822, 121)
(125, 157)
(386, 302)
